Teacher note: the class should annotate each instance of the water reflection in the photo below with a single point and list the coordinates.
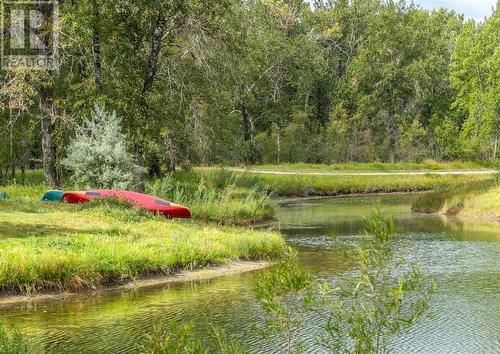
(463, 257)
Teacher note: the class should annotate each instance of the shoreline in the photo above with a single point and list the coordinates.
(291, 198)
(491, 218)
(184, 276)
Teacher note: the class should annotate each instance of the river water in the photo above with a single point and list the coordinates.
(463, 258)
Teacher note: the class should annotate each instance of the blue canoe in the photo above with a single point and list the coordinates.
(53, 196)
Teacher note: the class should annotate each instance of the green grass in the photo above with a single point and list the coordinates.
(429, 165)
(484, 204)
(480, 198)
(218, 196)
(304, 185)
(55, 246)
(12, 341)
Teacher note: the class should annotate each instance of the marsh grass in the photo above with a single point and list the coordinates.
(304, 185)
(219, 196)
(12, 340)
(471, 198)
(429, 165)
(55, 246)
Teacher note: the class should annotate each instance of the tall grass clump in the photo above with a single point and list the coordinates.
(311, 185)
(182, 338)
(451, 200)
(427, 165)
(12, 340)
(221, 196)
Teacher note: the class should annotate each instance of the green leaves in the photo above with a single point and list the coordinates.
(98, 155)
(358, 313)
(283, 292)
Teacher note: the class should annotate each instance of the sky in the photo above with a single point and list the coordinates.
(474, 9)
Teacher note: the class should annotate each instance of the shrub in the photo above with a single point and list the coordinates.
(98, 157)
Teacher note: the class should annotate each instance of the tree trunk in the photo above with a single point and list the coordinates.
(248, 130)
(11, 146)
(156, 45)
(392, 139)
(495, 146)
(47, 127)
(96, 45)
(170, 160)
(139, 160)
(46, 95)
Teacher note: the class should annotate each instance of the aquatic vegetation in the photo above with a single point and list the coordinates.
(174, 338)
(12, 341)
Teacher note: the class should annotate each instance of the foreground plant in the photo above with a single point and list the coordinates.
(387, 295)
(174, 338)
(12, 341)
(283, 292)
(357, 315)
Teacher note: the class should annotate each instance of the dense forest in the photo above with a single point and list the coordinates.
(261, 81)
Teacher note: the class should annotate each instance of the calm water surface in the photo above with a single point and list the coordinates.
(464, 259)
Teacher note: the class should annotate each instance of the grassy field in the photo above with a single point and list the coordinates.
(375, 167)
(55, 246)
(479, 199)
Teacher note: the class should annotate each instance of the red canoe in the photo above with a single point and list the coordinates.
(153, 204)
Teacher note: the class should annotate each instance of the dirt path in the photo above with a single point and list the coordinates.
(339, 173)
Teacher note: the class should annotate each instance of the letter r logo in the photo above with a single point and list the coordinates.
(29, 34)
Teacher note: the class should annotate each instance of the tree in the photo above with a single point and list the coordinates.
(97, 156)
(474, 75)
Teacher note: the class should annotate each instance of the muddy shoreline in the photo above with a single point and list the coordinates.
(236, 267)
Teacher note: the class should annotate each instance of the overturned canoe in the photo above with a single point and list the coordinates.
(153, 204)
(53, 196)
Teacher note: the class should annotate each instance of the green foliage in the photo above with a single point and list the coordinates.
(195, 84)
(176, 338)
(474, 76)
(98, 157)
(283, 294)
(12, 341)
(220, 196)
(358, 313)
(387, 295)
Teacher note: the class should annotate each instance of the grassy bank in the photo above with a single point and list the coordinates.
(217, 196)
(375, 167)
(55, 246)
(478, 199)
(304, 185)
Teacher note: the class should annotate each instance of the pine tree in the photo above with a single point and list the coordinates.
(98, 156)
